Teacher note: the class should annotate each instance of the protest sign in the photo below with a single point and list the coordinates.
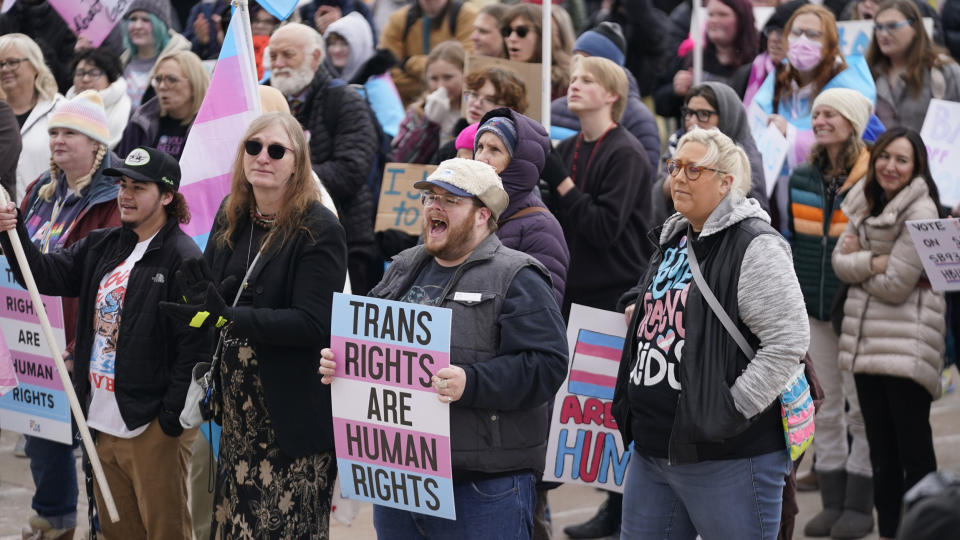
(771, 144)
(92, 19)
(38, 406)
(399, 206)
(941, 133)
(584, 446)
(938, 245)
(8, 376)
(392, 433)
(854, 36)
(527, 72)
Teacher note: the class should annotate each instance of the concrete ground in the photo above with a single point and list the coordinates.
(570, 504)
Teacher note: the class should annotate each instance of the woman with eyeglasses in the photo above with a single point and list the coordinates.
(703, 416)
(522, 34)
(164, 122)
(429, 122)
(32, 94)
(277, 441)
(908, 68)
(814, 64)
(147, 36)
(817, 190)
(713, 104)
(893, 323)
(97, 69)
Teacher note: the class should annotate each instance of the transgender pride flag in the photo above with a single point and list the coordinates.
(231, 103)
(8, 377)
(596, 359)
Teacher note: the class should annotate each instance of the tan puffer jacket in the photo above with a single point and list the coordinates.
(891, 326)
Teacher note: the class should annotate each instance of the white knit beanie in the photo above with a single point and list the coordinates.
(851, 104)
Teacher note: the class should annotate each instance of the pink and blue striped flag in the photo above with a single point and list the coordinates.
(8, 376)
(596, 359)
(231, 103)
(280, 9)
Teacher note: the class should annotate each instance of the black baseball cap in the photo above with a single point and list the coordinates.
(146, 164)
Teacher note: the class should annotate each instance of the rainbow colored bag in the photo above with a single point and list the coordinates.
(796, 409)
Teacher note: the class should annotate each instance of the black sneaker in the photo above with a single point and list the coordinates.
(605, 522)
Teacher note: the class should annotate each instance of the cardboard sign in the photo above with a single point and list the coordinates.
(38, 406)
(771, 144)
(584, 446)
(941, 133)
(392, 433)
(399, 206)
(92, 19)
(938, 245)
(527, 72)
(855, 36)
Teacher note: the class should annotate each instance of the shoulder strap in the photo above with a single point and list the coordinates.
(454, 11)
(712, 301)
(525, 212)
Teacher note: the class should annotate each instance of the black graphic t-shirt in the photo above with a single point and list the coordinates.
(171, 136)
(429, 285)
(654, 378)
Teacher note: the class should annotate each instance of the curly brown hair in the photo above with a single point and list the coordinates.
(511, 91)
(178, 208)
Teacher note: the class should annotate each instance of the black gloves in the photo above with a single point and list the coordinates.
(203, 313)
(554, 171)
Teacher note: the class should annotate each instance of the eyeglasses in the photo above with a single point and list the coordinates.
(811, 34)
(891, 27)
(429, 198)
(92, 73)
(484, 100)
(170, 80)
(702, 115)
(693, 171)
(12, 63)
(275, 151)
(521, 31)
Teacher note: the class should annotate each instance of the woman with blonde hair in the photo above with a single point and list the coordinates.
(523, 37)
(164, 122)
(286, 255)
(31, 92)
(908, 68)
(430, 120)
(721, 437)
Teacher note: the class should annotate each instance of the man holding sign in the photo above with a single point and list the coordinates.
(508, 354)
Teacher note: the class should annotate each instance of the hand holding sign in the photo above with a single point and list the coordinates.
(450, 383)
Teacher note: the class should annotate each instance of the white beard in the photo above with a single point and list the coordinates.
(292, 81)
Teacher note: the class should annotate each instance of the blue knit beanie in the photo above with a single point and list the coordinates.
(502, 127)
(605, 40)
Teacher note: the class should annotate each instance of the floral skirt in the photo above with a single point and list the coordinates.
(260, 491)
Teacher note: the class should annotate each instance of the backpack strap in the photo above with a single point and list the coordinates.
(414, 14)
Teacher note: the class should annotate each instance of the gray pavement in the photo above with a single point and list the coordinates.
(570, 504)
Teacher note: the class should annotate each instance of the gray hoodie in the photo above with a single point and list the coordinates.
(769, 300)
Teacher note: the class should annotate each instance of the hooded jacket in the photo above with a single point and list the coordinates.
(359, 37)
(747, 266)
(99, 211)
(893, 323)
(116, 103)
(637, 119)
(537, 232)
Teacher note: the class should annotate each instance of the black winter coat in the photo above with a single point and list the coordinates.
(155, 354)
(343, 158)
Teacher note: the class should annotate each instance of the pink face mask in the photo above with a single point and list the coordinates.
(804, 53)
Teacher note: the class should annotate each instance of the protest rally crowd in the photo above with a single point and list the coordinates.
(648, 193)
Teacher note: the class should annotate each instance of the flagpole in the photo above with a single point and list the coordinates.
(61, 368)
(247, 31)
(546, 43)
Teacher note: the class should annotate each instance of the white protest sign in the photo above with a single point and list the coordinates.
(92, 19)
(771, 144)
(941, 133)
(584, 445)
(854, 36)
(938, 245)
(6, 5)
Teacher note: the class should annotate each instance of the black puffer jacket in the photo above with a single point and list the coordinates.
(343, 158)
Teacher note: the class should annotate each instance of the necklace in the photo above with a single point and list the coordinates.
(576, 152)
(264, 220)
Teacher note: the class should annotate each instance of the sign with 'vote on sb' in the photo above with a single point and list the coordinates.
(392, 434)
(938, 244)
(399, 207)
(584, 446)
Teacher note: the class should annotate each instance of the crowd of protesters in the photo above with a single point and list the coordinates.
(646, 190)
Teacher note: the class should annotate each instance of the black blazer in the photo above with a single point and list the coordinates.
(289, 322)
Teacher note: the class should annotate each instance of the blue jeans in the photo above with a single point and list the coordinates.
(737, 498)
(54, 470)
(499, 508)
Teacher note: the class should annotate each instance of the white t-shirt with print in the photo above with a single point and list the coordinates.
(104, 413)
